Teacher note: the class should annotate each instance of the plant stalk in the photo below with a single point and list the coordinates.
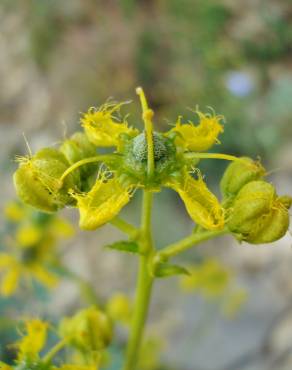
(144, 285)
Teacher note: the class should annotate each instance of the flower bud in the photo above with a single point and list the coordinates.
(89, 330)
(119, 308)
(77, 148)
(258, 215)
(239, 173)
(37, 180)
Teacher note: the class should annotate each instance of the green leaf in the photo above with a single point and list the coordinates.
(165, 269)
(128, 246)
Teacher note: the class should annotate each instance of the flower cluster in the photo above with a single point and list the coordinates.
(30, 251)
(100, 185)
(85, 337)
(212, 280)
(255, 213)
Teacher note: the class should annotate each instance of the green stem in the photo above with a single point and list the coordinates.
(188, 242)
(144, 286)
(142, 301)
(51, 354)
(146, 221)
(125, 227)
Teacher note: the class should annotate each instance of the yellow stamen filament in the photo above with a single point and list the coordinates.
(211, 156)
(98, 158)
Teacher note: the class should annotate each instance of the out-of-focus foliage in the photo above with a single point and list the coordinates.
(29, 249)
(215, 282)
(233, 56)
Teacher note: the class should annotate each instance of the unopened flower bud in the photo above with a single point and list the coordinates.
(239, 173)
(37, 180)
(89, 330)
(258, 215)
(77, 148)
(119, 308)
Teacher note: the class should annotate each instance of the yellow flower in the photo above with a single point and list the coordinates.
(209, 278)
(103, 128)
(28, 235)
(32, 253)
(77, 367)
(148, 160)
(102, 203)
(234, 302)
(4, 366)
(199, 137)
(14, 271)
(62, 228)
(14, 211)
(33, 341)
(150, 354)
(202, 205)
(119, 308)
(89, 330)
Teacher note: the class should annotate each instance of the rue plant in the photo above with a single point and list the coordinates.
(100, 185)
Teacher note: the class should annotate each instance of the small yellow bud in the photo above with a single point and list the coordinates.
(119, 308)
(14, 211)
(28, 235)
(239, 173)
(258, 215)
(37, 180)
(4, 366)
(89, 330)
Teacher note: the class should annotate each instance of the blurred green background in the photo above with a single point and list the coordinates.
(57, 58)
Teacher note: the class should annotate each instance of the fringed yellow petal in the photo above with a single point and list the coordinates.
(199, 137)
(44, 276)
(78, 367)
(28, 235)
(4, 366)
(6, 260)
(102, 203)
(202, 205)
(62, 228)
(103, 128)
(33, 341)
(210, 278)
(10, 281)
(14, 212)
(119, 308)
